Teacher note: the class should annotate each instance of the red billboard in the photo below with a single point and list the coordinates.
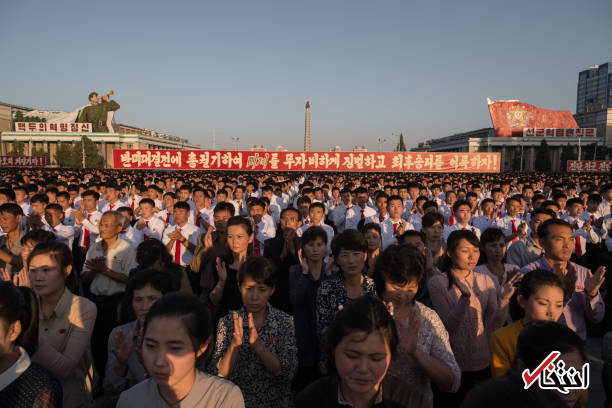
(590, 166)
(509, 118)
(305, 161)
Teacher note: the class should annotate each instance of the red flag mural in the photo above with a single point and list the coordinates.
(509, 118)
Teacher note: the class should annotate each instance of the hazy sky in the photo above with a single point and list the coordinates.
(246, 68)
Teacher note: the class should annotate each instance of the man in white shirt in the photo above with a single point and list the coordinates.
(106, 271)
(128, 233)
(63, 199)
(151, 226)
(462, 212)
(317, 215)
(181, 239)
(261, 229)
(487, 219)
(88, 218)
(202, 215)
(112, 198)
(381, 207)
(21, 198)
(166, 214)
(395, 225)
(274, 208)
(359, 212)
(584, 232)
(513, 226)
(54, 216)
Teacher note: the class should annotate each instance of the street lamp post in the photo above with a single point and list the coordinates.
(235, 140)
(380, 143)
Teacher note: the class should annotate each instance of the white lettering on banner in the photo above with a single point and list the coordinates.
(52, 127)
(560, 132)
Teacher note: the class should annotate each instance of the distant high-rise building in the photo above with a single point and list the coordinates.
(594, 100)
(307, 128)
(594, 89)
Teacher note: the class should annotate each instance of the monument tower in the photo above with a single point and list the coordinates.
(307, 128)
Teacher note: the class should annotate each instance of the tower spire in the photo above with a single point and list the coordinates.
(307, 128)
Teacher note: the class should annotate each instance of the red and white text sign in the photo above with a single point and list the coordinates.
(52, 127)
(560, 132)
(306, 161)
(592, 166)
(23, 161)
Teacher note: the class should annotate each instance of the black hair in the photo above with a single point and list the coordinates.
(63, 194)
(313, 233)
(91, 193)
(37, 236)
(538, 339)
(452, 243)
(529, 284)
(258, 268)
(238, 220)
(371, 226)
(365, 314)
(147, 201)
(225, 206)
(40, 198)
(593, 197)
(460, 203)
(11, 208)
(544, 228)
(193, 313)
(170, 194)
(257, 201)
(488, 236)
(150, 251)
(399, 264)
(431, 218)
(394, 198)
(57, 251)
(411, 233)
(351, 240)
(162, 281)
(55, 207)
(541, 210)
(317, 204)
(182, 205)
(20, 304)
(290, 209)
(10, 194)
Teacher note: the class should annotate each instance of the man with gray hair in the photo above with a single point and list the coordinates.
(106, 270)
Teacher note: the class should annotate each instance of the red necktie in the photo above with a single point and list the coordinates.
(72, 204)
(111, 206)
(395, 228)
(578, 242)
(513, 226)
(177, 251)
(381, 218)
(256, 245)
(86, 235)
(167, 218)
(133, 202)
(198, 220)
(452, 220)
(146, 225)
(362, 214)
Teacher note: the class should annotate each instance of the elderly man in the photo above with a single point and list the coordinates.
(106, 270)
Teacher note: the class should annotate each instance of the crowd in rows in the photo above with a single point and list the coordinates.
(203, 289)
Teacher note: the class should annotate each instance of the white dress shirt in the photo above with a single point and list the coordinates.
(354, 215)
(264, 230)
(63, 233)
(189, 231)
(120, 258)
(448, 229)
(154, 228)
(389, 231)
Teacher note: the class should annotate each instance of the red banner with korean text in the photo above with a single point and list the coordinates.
(306, 161)
(591, 166)
(23, 161)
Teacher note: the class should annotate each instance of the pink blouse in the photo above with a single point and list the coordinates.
(469, 322)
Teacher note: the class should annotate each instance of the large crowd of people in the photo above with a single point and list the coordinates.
(223, 289)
